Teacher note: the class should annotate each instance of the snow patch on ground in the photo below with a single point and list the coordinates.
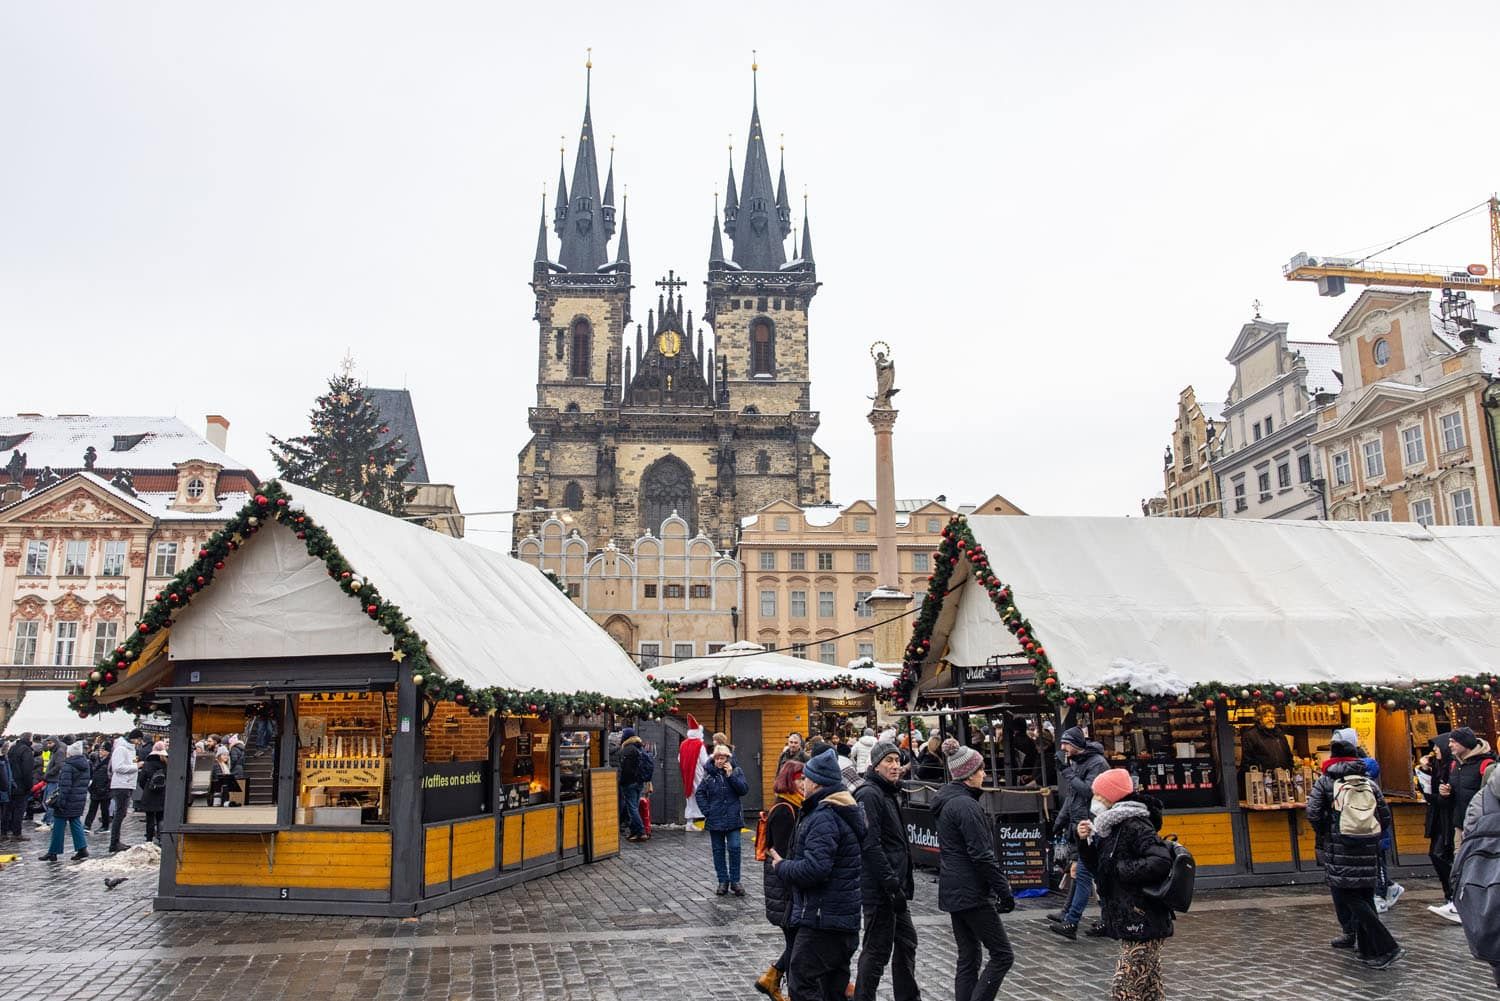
(136, 858)
(1147, 679)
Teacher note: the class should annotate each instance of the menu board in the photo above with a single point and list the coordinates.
(1022, 851)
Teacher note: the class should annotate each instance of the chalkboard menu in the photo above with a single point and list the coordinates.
(455, 789)
(1022, 851)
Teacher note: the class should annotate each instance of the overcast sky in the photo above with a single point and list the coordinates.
(1057, 214)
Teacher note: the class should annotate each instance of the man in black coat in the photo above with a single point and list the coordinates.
(1086, 762)
(886, 882)
(972, 887)
(21, 758)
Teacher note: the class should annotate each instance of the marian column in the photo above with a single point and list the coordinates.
(888, 600)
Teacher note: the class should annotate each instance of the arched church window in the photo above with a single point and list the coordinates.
(667, 486)
(571, 408)
(762, 461)
(573, 496)
(751, 409)
(762, 348)
(583, 336)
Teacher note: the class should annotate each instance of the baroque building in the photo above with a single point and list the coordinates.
(706, 420)
(1191, 489)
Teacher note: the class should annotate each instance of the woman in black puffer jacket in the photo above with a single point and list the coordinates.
(1117, 847)
(69, 801)
(781, 831)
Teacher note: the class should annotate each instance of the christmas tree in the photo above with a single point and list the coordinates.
(350, 453)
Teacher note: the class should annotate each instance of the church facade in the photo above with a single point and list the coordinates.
(709, 420)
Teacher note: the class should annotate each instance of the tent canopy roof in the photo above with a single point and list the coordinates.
(1233, 602)
(752, 661)
(47, 712)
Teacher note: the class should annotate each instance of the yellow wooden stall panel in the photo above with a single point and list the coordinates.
(539, 834)
(1307, 839)
(321, 860)
(436, 856)
(510, 844)
(604, 802)
(1209, 836)
(473, 847)
(1270, 835)
(1411, 827)
(779, 716)
(572, 833)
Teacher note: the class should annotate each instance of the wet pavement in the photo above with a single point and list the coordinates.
(642, 927)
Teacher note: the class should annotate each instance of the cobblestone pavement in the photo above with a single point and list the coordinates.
(644, 927)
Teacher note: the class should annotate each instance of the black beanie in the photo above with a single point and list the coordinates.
(1342, 749)
(1465, 738)
(1074, 735)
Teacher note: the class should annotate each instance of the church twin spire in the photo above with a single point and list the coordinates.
(584, 219)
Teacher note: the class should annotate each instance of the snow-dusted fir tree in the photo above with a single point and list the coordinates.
(350, 453)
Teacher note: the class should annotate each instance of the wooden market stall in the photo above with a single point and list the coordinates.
(423, 719)
(1165, 637)
(756, 697)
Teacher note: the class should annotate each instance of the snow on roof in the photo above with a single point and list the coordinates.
(488, 619)
(1489, 351)
(750, 660)
(822, 517)
(1323, 363)
(1212, 411)
(120, 442)
(1238, 601)
(46, 712)
(155, 503)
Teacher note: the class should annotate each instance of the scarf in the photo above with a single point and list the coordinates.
(794, 798)
(1111, 818)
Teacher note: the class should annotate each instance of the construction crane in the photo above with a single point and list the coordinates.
(1332, 273)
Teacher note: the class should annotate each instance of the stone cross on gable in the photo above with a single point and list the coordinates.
(671, 283)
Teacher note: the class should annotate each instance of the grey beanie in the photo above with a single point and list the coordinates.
(962, 761)
(883, 750)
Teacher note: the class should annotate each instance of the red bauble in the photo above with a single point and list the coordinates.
(202, 580)
(260, 499)
(1070, 700)
(202, 553)
(175, 597)
(219, 565)
(1280, 694)
(1255, 694)
(301, 535)
(144, 628)
(1051, 682)
(281, 502)
(84, 683)
(372, 609)
(121, 664)
(1208, 703)
(459, 698)
(109, 677)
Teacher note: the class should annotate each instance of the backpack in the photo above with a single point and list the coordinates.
(645, 766)
(763, 832)
(1176, 890)
(1355, 803)
(157, 782)
(1476, 886)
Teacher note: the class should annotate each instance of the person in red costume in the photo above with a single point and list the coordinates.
(690, 756)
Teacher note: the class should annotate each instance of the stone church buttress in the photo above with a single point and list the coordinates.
(711, 420)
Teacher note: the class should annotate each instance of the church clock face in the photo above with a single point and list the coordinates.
(669, 342)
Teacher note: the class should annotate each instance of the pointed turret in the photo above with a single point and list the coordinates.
(731, 198)
(716, 247)
(757, 233)
(807, 254)
(560, 210)
(783, 207)
(541, 235)
(609, 197)
(622, 249)
(585, 231)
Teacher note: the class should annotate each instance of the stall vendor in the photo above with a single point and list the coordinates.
(1264, 745)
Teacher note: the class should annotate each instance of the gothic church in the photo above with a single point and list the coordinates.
(628, 426)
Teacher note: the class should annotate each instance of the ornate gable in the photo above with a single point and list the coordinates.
(79, 504)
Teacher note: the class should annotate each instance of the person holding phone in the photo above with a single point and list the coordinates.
(718, 796)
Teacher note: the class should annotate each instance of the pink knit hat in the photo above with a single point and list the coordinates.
(1114, 785)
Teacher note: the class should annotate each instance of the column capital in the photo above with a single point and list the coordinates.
(883, 420)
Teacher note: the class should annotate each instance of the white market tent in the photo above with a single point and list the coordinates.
(47, 712)
(742, 662)
(1237, 602)
(488, 619)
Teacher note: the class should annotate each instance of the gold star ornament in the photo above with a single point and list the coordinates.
(398, 656)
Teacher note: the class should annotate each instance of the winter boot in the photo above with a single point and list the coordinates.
(1344, 941)
(736, 889)
(769, 984)
(722, 890)
(49, 857)
(80, 855)
(1069, 932)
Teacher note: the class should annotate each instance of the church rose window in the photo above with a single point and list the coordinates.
(762, 348)
(578, 366)
(667, 487)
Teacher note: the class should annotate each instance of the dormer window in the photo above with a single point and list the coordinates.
(125, 442)
(195, 488)
(10, 441)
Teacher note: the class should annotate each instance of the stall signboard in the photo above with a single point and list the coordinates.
(1362, 719)
(454, 789)
(1022, 851)
(921, 834)
(583, 722)
(997, 674)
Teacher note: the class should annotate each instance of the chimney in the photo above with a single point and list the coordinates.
(217, 432)
(11, 492)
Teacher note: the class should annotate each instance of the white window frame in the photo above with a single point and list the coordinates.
(863, 650)
(768, 604)
(1421, 511)
(714, 648)
(106, 638)
(75, 558)
(1462, 502)
(196, 488)
(862, 609)
(115, 553)
(64, 642)
(921, 562)
(797, 561)
(934, 525)
(1263, 484)
(1284, 474)
(1381, 516)
(767, 559)
(1374, 458)
(1343, 469)
(864, 562)
(861, 524)
(797, 604)
(38, 555)
(681, 651)
(828, 652)
(164, 559)
(827, 608)
(28, 632)
(783, 523)
(825, 561)
(799, 650)
(650, 656)
(1412, 437)
(1453, 431)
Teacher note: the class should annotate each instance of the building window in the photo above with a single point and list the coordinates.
(865, 651)
(1304, 467)
(1453, 431)
(798, 561)
(165, 564)
(1283, 475)
(862, 607)
(682, 651)
(799, 650)
(934, 525)
(861, 524)
(825, 561)
(75, 558)
(65, 643)
(768, 604)
(1268, 425)
(762, 461)
(768, 559)
(1342, 473)
(1263, 483)
(825, 604)
(578, 365)
(1463, 506)
(573, 496)
(714, 648)
(762, 348)
(1374, 460)
(650, 656)
(799, 604)
(649, 590)
(114, 558)
(1413, 452)
(195, 489)
(1256, 430)
(1421, 511)
(26, 632)
(575, 590)
(36, 557)
(700, 591)
(1380, 516)
(783, 523)
(921, 562)
(674, 591)
(106, 636)
(828, 652)
(863, 562)
(1382, 352)
(1239, 496)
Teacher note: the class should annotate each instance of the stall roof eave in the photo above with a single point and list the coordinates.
(743, 662)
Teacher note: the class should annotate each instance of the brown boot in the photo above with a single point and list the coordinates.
(769, 984)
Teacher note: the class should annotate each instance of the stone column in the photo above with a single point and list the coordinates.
(888, 600)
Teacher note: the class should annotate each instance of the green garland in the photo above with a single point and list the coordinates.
(862, 685)
(958, 542)
(272, 504)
